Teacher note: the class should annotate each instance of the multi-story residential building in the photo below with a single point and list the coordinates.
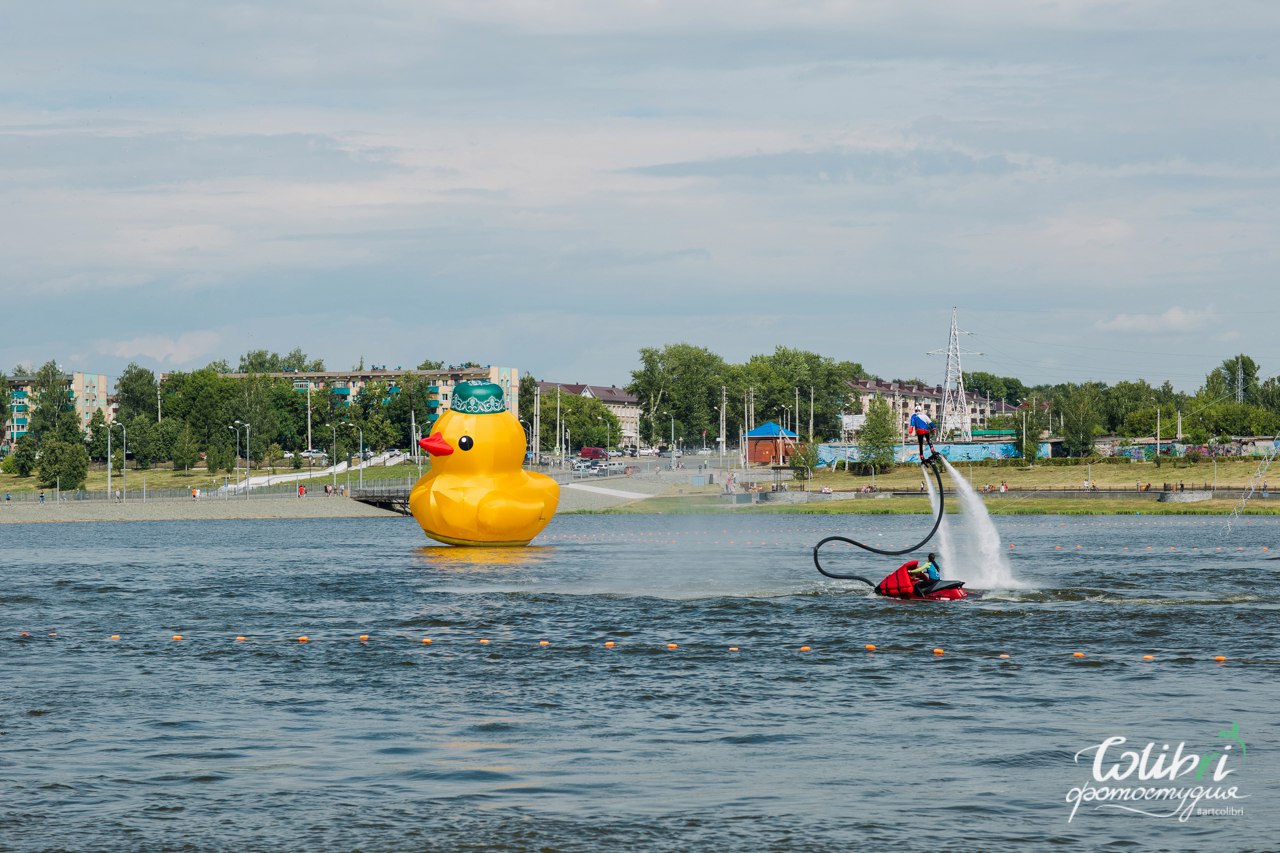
(625, 407)
(86, 391)
(343, 385)
(903, 397)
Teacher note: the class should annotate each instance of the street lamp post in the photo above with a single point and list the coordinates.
(124, 459)
(360, 431)
(236, 459)
(248, 460)
(608, 432)
(333, 463)
(673, 439)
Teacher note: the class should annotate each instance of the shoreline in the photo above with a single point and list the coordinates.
(264, 508)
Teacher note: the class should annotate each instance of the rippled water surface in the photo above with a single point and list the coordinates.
(146, 742)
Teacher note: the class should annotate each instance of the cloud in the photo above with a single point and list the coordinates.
(184, 349)
(1176, 319)
(838, 166)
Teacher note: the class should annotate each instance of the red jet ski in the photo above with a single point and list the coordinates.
(901, 585)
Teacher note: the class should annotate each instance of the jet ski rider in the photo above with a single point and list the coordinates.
(926, 572)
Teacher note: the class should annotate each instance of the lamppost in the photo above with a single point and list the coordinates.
(333, 463)
(248, 460)
(124, 458)
(1157, 402)
(124, 461)
(359, 430)
(673, 439)
(236, 430)
(528, 437)
(608, 433)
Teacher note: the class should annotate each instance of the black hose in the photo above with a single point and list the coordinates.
(937, 522)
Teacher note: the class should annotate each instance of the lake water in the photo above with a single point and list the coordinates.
(144, 742)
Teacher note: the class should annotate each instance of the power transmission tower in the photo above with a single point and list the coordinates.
(954, 417)
(1239, 379)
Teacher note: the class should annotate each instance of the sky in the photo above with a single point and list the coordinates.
(553, 185)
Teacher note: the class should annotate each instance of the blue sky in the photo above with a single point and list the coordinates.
(553, 185)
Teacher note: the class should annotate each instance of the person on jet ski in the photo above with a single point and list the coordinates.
(927, 571)
(922, 427)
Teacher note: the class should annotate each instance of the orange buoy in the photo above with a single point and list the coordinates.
(426, 641)
(1077, 654)
(1220, 658)
(937, 651)
(804, 648)
(241, 639)
(23, 634)
(484, 642)
(1004, 656)
(544, 642)
(364, 638)
(1148, 657)
(304, 639)
(733, 648)
(870, 647)
(177, 636)
(672, 646)
(608, 644)
(115, 636)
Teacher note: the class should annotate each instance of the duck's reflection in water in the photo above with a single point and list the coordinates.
(452, 558)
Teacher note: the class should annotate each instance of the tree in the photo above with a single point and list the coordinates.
(428, 364)
(1080, 419)
(589, 422)
(142, 442)
(63, 463)
(96, 438)
(680, 381)
(879, 436)
(186, 453)
(1234, 379)
(1005, 388)
(52, 415)
(136, 392)
(528, 397)
(22, 461)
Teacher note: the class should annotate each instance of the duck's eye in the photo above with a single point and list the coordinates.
(465, 443)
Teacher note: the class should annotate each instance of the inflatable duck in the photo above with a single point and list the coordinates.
(476, 493)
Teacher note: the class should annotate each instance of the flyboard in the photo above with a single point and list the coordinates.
(899, 584)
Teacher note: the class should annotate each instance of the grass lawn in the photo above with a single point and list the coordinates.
(1233, 473)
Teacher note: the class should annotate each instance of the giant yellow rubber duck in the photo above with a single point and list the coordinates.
(476, 493)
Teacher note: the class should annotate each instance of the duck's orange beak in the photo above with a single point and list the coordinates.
(435, 445)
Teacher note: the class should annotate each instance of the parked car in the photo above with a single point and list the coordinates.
(593, 453)
(314, 454)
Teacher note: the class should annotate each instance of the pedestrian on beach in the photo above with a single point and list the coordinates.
(42, 496)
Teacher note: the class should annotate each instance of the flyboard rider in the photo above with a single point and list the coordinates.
(922, 427)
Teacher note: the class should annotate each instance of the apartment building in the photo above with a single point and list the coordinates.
(625, 407)
(86, 391)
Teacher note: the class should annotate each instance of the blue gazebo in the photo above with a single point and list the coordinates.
(770, 444)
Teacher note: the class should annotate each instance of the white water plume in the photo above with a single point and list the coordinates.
(945, 547)
(979, 560)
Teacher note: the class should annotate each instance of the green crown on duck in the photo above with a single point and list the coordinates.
(478, 397)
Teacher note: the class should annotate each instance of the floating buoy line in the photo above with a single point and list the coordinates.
(868, 650)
